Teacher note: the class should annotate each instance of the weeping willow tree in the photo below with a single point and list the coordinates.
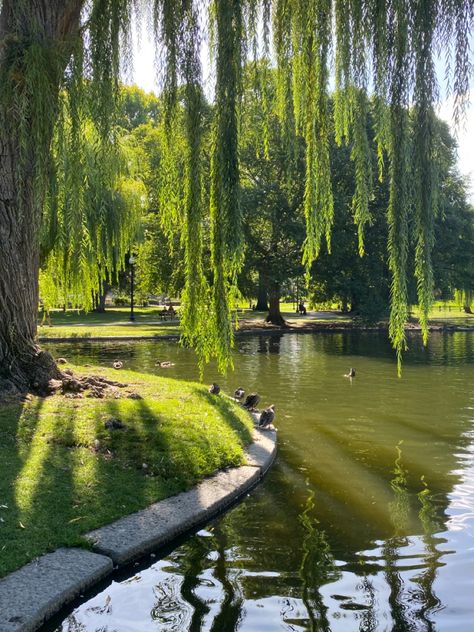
(92, 216)
(51, 49)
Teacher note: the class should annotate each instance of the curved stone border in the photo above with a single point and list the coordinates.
(37, 591)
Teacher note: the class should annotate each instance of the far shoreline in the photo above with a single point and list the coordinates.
(249, 328)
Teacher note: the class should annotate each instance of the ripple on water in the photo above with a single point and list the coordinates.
(364, 523)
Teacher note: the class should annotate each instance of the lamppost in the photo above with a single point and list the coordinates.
(131, 262)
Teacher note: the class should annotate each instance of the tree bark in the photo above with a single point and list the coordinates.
(344, 305)
(23, 365)
(262, 297)
(274, 313)
(100, 298)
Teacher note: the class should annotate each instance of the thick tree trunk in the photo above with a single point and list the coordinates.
(274, 313)
(22, 363)
(100, 299)
(262, 298)
(354, 305)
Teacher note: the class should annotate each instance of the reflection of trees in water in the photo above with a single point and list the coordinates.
(368, 617)
(192, 566)
(448, 349)
(317, 567)
(195, 560)
(399, 510)
(230, 614)
(409, 611)
(269, 344)
(431, 525)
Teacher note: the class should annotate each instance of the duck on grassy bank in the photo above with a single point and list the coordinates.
(251, 401)
(267, 417)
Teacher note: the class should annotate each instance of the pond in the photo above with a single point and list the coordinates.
(366, 520)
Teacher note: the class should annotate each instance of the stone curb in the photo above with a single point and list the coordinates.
(40, 589)
(137, 534)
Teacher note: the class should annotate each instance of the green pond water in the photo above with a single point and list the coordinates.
(366, 520)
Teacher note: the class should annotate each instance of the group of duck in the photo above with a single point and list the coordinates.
(250, 402)
(118, 364)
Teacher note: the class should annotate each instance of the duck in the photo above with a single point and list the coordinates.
(351, 373)
(117, 364)
(239, 393)
(165, 365)
(251, 401)
(266, 417)
(214, 389)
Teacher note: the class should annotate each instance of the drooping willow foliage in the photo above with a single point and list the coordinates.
(381, 47)
(92, 216)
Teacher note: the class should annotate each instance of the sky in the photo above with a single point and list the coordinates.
(144, 75)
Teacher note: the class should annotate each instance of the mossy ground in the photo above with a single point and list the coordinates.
(64, 473)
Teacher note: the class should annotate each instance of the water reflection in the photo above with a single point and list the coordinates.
(364, 523)
(317, 567)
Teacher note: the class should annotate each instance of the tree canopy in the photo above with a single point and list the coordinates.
(58, 55)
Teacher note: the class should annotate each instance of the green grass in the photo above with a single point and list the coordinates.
(111, 315)
(113, 322)
(450, 311)
(56, 485)
(102, 331)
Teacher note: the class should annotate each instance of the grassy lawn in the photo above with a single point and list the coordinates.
(113, 322)
(111, 315)
(64, 473)
(95, 331)
(450, 312)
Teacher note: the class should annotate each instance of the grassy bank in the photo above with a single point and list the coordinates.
(114, 322)
(63, 472)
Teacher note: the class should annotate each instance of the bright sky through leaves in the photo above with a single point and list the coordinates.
(144, 75)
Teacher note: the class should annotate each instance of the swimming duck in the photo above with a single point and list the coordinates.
(239, 393)
(117, 364)
(214, 389)
(251, 401)
(267, 416)
(165, 365)
(351, 373)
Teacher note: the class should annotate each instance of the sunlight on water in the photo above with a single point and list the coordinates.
(365, 522)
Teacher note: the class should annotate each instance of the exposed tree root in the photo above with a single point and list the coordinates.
(70, 385)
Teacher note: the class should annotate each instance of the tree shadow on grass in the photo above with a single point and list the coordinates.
(10, 465)
(54, 486)
(227, 413)
(63, 473)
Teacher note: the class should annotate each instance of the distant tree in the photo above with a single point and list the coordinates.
(137, 107)
(272, 197)
(89, 229)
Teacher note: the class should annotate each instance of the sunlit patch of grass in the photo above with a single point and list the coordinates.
(64, 473)
(106, 330)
